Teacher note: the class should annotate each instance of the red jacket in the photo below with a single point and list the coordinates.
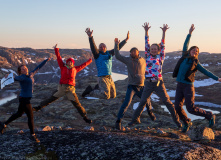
(68, 75)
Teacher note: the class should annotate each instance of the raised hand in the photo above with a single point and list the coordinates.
(146, 26)
(165, 27)
(89, 32)
(117, 41)
(55, 46)
(191, 29)
(128, 36)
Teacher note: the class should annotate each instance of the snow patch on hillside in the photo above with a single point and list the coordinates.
(205, 82)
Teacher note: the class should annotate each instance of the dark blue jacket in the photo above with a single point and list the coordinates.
(27, 81)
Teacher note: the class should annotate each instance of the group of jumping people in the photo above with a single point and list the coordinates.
(144, 77)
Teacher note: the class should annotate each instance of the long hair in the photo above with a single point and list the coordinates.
(187, 53)
(19, 69)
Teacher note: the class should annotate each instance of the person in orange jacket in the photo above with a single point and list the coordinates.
(67, 84)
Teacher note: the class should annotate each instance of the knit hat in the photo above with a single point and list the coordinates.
(70, 59)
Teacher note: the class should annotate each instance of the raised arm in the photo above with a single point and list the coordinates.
(116, 51)
(39, 66)
(186, 43)
(164, 29)
(162, 44)
(147, 44)
(93, 46)
(82, 66)
(121, 44)
(59, 59)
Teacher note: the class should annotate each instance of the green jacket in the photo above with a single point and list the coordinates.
(186, 67)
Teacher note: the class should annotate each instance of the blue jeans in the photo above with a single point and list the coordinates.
(132, 91)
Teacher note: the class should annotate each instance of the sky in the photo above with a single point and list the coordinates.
(43, 23)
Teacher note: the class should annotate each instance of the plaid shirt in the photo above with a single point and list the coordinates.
(154, 63)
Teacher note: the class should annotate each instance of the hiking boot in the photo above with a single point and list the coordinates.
(132, 123)
(87, 120)
(34, 138)
(36, 109)
(96, 87)
(187, 127)
(152, 116)
(212, 121)
(118, 125)
(87, 91)
(2, 127)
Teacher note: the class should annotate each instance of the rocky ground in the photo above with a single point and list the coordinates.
(72, 138)
(67, 136)
(79, 144)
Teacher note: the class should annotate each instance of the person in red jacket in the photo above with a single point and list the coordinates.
(67, 84)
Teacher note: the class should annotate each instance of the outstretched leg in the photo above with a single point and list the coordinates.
(162, 93)
(179, 100)
(59, 93)
(45, 103)
(72, 96)
(19, 113)
(147, 91)
(189, 94)
(148, 104)
(29, 113)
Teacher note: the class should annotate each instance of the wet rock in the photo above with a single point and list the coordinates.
(201, 133)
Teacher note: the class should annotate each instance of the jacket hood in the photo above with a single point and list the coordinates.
(70, 59)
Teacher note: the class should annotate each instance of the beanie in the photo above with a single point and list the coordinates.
(70, 59)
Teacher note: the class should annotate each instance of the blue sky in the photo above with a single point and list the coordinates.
(43, 23)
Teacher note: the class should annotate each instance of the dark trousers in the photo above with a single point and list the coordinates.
(132, 90)
(187, 92)
(160, 90)
(24, 107)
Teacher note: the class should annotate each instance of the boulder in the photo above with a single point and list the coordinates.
(47, 128)
(201, 133)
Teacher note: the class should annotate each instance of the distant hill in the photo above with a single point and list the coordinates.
(11, 58)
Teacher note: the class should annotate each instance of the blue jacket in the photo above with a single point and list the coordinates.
(103, 60)
(27, 81)
(104, 64)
